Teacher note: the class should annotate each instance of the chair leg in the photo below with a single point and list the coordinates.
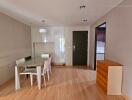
(48, 75)
(27, 76)
(50, 71)
(44, 81)
(31, 78)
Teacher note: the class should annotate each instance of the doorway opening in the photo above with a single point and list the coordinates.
(100, 41)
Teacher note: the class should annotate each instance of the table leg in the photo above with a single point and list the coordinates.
(39, 76)
(17, 80)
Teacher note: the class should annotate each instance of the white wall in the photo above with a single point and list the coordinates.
(15, 42)
(119, 41)
(67, 32)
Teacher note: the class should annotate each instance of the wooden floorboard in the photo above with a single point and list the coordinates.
(65, 84)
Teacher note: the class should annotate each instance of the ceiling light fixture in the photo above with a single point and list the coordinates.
(42, 21)
(84, 20)
(82, 6)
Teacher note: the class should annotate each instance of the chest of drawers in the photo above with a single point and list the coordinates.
(109, 77)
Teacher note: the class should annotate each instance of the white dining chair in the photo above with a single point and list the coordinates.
(26, 71)
(43, 73)
(47, 68)
(49, 64)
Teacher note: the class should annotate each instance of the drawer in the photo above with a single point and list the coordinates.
(102, 79)
(102, 85)
(102, 72)
(102, 67)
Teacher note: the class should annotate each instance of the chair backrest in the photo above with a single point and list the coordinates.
(19, 61)
(28, 58)
(45, 55)
(49, 60)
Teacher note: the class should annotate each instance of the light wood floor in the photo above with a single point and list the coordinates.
(65, 84)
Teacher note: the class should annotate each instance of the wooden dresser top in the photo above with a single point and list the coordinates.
(108, 63)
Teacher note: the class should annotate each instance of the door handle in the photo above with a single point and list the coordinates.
(74, 47)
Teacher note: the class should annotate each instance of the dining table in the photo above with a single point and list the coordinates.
(36, 62)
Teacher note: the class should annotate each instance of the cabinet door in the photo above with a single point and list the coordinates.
(114, 80)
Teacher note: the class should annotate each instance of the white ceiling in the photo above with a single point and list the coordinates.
(57, 12)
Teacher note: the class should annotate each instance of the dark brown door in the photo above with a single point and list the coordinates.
(80, 44)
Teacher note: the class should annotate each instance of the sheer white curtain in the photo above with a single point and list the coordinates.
(59, 49)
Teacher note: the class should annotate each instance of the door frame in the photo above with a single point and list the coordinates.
(87, 45)
(95, 45)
